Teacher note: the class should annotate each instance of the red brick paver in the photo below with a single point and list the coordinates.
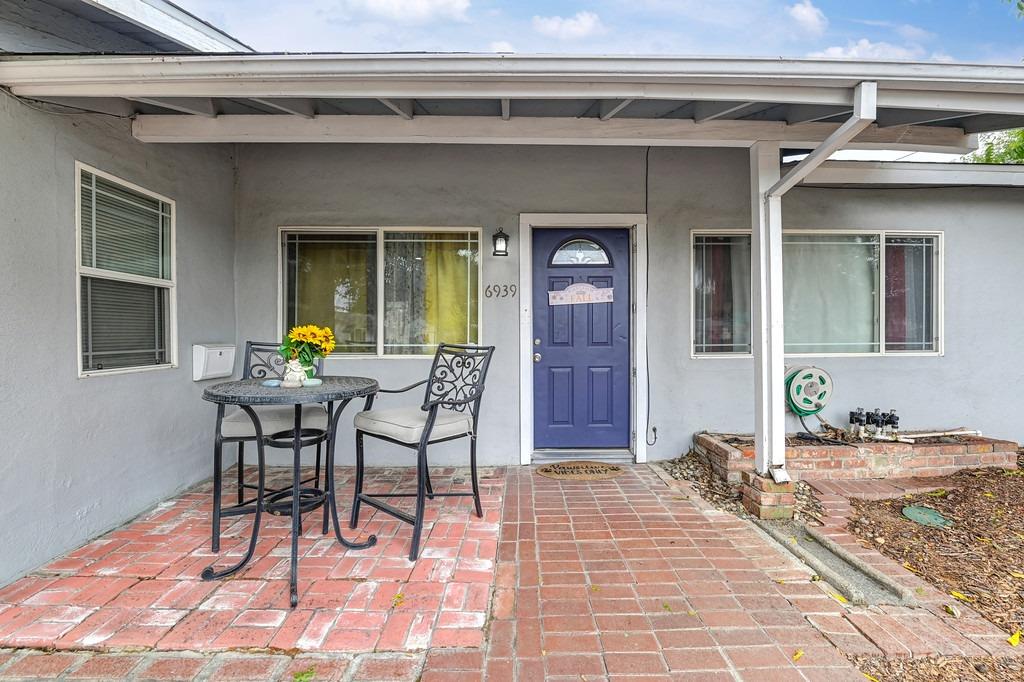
(139, 587)
(900, 631)
(633, 578)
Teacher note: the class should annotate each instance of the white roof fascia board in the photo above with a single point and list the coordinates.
(915, 173)
(940, 87)
(833, 73)
(532, 130)
(171, 22)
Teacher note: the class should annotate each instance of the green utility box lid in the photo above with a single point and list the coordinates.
(926, 516)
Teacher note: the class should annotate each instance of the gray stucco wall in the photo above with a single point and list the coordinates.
(689, 188)
(118, 444)
(81, 456)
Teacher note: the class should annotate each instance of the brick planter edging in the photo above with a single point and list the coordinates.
(864, 460)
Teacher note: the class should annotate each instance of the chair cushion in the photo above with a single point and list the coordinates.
(406, 424)
(273, 418)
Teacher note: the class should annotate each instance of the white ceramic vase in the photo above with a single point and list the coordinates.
(294, 373)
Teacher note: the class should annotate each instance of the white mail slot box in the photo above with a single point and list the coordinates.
(212, 360)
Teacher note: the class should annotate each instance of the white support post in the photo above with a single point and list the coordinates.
(766, 190)
(767, 337)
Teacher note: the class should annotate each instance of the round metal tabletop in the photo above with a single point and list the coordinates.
(253, 392)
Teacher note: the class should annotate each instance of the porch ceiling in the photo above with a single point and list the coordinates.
(555, 99)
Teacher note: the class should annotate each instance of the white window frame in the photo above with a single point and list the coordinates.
(379, 230)
(940, 303)
(99, 273)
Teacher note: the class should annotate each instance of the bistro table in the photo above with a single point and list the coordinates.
(248, 393)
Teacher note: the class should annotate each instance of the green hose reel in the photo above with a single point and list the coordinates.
(808, 390)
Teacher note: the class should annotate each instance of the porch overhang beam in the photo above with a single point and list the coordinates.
(768, 342)
(520, 130)
(197, 106)
(914, 174)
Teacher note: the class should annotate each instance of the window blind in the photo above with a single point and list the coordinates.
(125, 323)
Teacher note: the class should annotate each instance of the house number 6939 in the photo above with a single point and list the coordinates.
(500, 291)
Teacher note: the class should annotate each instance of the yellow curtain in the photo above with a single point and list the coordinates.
(336, 291)
(451, 290)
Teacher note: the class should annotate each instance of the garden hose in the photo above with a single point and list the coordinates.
(808, 390)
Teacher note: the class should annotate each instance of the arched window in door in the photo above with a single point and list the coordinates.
(580, 251)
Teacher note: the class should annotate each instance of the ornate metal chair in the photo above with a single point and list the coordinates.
(450, 410)
(261, 361)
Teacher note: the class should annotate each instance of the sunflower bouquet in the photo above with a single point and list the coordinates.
(306, 343)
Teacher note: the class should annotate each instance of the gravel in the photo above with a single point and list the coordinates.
(728, 496)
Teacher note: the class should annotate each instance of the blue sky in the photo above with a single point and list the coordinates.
(959, 30)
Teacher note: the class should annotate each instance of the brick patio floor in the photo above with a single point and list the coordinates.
(139, 586)
(634, 578)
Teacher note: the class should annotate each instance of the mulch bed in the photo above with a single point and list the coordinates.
(981, 557)
(728, 497)
(940, 669)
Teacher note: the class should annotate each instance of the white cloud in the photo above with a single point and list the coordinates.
(502, 46)
(865, 49)
(908, 32)
(809, 17)
(412, 11)
(580, 25)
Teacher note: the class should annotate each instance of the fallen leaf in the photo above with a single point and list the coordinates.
(1017, 574)
(951, 610)
(873, 679)
(988, 494)
(839, 598)
(1014, 639)
(961, 596)
(906, 565)
(800, 654)
(941, 492)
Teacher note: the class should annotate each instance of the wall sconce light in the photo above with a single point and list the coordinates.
(500, 243)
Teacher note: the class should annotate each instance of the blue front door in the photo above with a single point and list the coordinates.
(581, 351)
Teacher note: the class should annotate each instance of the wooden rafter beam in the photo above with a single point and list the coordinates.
(294, 105)
(811, 113)
(197, 106)
(402, 107)
(608, 108)
(709, 111)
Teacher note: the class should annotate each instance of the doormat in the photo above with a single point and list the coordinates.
(580, 471)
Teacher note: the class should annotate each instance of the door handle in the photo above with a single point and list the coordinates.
(536, 357)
